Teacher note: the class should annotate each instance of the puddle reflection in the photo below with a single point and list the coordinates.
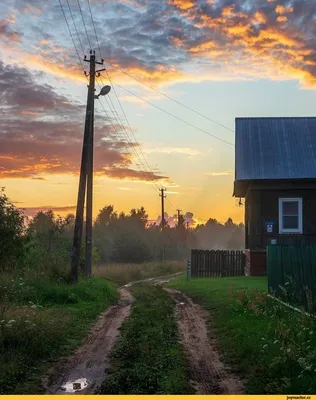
(75, 386)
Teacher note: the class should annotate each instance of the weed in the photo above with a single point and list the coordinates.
(148, 358)
(42, 321)
(125, 273)
(269, 344)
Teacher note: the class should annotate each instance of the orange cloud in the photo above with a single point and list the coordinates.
(260, 18)
(183, 4)
(283, 10)
(282, 18)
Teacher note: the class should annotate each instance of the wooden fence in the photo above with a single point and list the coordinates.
(220, 263)
(292, 274)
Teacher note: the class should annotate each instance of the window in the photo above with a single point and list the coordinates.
(290, 215)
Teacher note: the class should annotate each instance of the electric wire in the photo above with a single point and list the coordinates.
(84, 24)
(73, 20)
(95, 31)
(174, 116)
(169, 97)
(117, 97)
(72, 38)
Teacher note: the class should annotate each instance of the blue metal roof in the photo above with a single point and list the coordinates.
(275, 148)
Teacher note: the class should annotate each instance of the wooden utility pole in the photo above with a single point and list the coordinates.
(163, 222)
(163, 196)
(86, 174)
(179, 218)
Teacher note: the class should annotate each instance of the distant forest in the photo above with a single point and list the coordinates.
(46, 239)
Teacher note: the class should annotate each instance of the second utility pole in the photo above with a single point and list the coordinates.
(163, 196)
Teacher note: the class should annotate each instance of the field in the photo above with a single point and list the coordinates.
(126, 273)
(272, 347)
(41, 321)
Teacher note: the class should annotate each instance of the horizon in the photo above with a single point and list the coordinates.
(225, 60)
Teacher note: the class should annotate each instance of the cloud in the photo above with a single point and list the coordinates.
(32, 211)
(222, 173)
(41, 133)
(7, 34)
(162, 42)
(125, 188)
(173, 150)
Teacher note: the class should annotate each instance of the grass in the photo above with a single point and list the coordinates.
(125, 273)
(271, 346)
(148, 358)
(41, 321)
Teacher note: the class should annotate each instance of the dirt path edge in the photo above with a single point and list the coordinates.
(209, 375)
(88, 364)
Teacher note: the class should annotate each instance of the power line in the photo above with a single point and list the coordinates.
(174, 116)
(170, 98)
(128, 141)
(73, 20)
(115, 114)
(95, 31)
(113, 110)
(72, 38)
(84, 24)
(130, 128)
(117, 97)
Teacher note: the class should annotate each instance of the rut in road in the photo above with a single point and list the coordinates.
(85, 370)
(208, 373)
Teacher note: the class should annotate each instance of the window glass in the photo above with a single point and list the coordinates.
(290, 208)
(290, 222)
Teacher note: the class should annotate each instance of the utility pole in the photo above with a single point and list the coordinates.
(86, 174)
(163, 196)
(179, 218)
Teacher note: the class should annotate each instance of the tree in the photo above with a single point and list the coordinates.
(11, 233)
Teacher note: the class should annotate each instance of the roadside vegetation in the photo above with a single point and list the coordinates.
(41, 321)
(148, 358)
(268, 344)
(42, 315)
(125, 273)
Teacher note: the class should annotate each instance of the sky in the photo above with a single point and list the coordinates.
(222, 58)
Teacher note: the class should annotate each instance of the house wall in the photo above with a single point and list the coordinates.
(263, 205)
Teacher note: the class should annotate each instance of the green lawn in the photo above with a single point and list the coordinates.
(148, 358)
(271, 346)
(41, 321)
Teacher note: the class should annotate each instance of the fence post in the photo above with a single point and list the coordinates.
(188, 269)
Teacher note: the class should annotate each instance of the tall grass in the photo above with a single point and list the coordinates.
(148, 358)
(272, 346)
(125, 273)
(40, 321)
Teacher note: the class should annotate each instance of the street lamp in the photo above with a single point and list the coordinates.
(103, 92)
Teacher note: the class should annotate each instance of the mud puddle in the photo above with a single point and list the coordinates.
(85, 370)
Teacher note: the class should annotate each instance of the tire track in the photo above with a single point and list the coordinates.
(208, 373)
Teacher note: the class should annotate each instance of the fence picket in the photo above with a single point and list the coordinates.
(217, 263)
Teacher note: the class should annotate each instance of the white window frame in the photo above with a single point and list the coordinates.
(299, 200)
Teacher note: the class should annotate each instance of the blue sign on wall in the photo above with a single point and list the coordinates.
(269, 226)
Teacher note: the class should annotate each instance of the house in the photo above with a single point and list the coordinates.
(275, 172)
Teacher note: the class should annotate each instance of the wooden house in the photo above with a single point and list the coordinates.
(275, 172)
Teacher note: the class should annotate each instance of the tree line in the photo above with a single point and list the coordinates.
(44, 243)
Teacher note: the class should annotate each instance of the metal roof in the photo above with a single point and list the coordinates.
(275, 148)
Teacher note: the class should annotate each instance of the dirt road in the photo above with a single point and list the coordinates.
(85, 370)
(208, 373)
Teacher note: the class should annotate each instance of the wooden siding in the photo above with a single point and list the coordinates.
(263, 205)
